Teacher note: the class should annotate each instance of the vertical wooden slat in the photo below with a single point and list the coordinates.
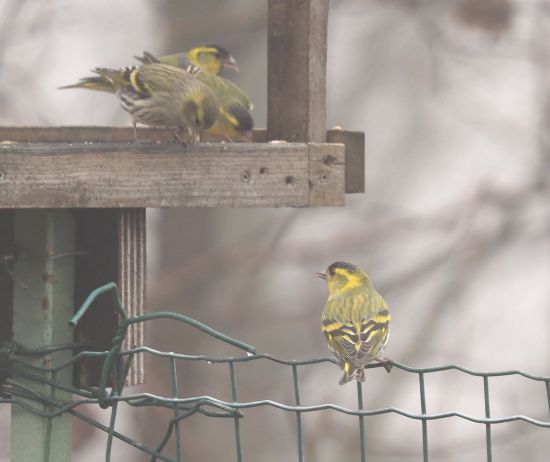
(115, 242)
(297, 62)
(131, 263)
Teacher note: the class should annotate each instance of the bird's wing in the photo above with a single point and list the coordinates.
(358, 342)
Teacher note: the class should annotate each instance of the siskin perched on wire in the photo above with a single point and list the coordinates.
(210, 58)
(234, 120)
(355, 320)
(159, 95)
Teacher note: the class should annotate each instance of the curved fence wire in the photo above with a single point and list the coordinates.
(110, 392)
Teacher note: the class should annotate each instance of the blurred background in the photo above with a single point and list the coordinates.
(453, 227)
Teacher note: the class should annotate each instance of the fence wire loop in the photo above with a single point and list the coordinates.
(16, 373)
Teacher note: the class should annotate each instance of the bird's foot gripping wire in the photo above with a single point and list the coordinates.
(386, 362)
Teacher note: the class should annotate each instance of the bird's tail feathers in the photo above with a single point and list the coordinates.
(351, 373)
(238, 116)
(93, 83)
(147, 58)
(117, 77)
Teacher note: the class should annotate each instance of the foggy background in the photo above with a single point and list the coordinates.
(453, 228)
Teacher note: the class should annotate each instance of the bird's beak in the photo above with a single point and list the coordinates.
(321, 275)
(231, 63)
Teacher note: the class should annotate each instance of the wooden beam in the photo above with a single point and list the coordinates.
(97, 134)
(353, 140)
(296, 70)
(103, 175)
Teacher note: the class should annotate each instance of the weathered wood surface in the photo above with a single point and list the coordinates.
(296, 70)
(96, 134)
(131, 282)
(326, 174)
(76, 134)
(97, 175)
(354, 142)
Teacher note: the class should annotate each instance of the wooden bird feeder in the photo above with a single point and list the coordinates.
(86, 189)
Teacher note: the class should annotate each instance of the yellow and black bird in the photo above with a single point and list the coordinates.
(355, 321)
(210, 58)
(159, 95)
(234, 121)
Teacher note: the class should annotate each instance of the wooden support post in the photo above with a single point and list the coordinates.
(42, 305)
(114, 242)
(296, 70)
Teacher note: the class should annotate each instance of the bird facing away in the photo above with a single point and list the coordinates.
(234, 121)
(158, 95)
(355, 320)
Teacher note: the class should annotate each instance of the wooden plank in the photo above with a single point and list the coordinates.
(82, 134)
(95, 134)
(327, 172)
(131, 281)
(42, 308)
(296, 70)
(354, 142)
(92, 138)
(88, 175)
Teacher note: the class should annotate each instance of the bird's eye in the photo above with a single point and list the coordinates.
(331, 271)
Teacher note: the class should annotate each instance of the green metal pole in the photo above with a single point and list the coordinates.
(42, 306)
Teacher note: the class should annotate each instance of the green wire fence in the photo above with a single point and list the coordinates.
(116, 362)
